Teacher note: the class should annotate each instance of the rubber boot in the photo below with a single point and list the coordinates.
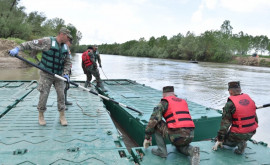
(194, 153)
(62, 118)
(240, 148)
(41, 119)
(161, 150)
(67, 102)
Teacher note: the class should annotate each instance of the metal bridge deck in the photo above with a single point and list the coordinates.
(89, 138)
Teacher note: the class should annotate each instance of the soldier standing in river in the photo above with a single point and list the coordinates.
(178, 128)
(55, 59)
(89, 66)
(239, 120)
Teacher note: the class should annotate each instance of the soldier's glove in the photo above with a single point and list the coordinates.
(100, 66)
(67, 77)
(147, 143)
(218, 143)
(14, 51)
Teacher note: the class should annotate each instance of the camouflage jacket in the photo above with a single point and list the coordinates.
(226, 120)
(44, 44)
(156, 117)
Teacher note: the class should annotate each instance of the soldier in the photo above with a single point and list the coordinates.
(89, 66)
(178, 128)
(55, 59)
(69, 43)
(97, 55)
(239, 120)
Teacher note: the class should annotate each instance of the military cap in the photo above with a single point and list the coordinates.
(90, 47)
(168, 89)
(233, 84)
(66, 31)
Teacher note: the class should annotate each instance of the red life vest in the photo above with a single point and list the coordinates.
(86, 59)
(243, 120)
(177, 114)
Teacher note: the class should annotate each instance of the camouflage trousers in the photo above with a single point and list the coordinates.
(235, 139)
(44, 86)
(90, 70)
(179, 137)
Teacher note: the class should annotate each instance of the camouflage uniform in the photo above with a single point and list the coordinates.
(92, 70)
(180, 137)
(232, 139)
(46, 80)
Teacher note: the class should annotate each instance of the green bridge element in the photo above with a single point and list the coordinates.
(12, 92)
(144, 99)
(255, 154)
(89, 138)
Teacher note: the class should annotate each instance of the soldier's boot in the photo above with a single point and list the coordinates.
(161, 150)
(86, 84)
(240, 148)
(41, 119)
(62, 118)
(194, 153)
(101, 86)
(67, 102)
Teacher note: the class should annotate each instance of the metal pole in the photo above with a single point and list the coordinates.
(77, 85)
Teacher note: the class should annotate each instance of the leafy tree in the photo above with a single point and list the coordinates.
(226, 28)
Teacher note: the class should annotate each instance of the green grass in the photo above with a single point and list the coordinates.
(17, 40)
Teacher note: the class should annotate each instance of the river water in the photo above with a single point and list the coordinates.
(204, 83)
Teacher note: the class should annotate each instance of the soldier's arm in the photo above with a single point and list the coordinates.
(67, 64)
(92, 58)
(156, 117)
(99, 59)
(226, 120)
(40, 44)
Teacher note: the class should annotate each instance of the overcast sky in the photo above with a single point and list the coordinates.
(109, 21)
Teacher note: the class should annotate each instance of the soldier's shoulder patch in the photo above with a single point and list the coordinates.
(38, 42)
(35, 42)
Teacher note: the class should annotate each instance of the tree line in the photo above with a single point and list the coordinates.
(16, 23)
(214, 45)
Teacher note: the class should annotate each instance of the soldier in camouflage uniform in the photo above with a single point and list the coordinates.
(178, 128)
(239, 120)
(89, 75)
(56, 60)
(89, 66)
(97, 55)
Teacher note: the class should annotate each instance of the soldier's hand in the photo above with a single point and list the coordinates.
(215, 147)
(100, 66)
(66, 77)
(147, 143)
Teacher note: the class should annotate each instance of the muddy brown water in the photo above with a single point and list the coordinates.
(203, 83)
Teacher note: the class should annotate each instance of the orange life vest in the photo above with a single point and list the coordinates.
(243, 120)
(177, 114)
(86, 59)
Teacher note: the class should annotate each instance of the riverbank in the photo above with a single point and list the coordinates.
(7, 61)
